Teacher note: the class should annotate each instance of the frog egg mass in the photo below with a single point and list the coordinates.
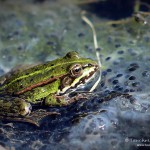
(115, 113)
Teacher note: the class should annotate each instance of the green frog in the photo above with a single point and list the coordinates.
(47, 84)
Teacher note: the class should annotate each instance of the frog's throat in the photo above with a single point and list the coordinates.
(87, 75)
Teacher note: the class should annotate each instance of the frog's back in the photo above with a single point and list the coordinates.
(20, 79)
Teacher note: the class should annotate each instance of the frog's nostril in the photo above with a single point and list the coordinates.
(89, 65)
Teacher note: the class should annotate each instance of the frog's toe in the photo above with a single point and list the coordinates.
(37, 116)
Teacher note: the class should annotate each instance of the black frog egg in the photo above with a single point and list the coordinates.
(132, 78)
(115, 81)
(136, 84)
(107, 58)
(133, 67)
(120, 52)
(146, 73)
(88, 130)
(119, 75)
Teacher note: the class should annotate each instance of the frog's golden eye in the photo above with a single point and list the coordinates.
(76, 70)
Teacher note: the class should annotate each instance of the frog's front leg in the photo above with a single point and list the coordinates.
(63, 100)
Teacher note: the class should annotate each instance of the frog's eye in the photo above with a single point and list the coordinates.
(76, 70)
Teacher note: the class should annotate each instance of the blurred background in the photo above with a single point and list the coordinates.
(33, 31)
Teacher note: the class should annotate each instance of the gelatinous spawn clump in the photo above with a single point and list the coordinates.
(110, 118)
(126, 75)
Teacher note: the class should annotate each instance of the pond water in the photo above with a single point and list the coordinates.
(117, 114)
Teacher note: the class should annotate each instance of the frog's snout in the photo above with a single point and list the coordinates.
(97, 67)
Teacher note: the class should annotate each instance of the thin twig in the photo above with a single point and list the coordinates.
(95, 46)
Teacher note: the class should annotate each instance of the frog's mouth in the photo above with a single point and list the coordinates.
(87, 75)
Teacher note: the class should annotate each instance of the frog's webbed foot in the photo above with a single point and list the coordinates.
(17, 109)
(36, 116)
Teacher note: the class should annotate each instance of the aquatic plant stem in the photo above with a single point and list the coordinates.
(96, 48)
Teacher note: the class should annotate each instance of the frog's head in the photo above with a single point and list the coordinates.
(79, 71)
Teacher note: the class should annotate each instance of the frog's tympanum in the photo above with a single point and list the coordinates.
(45, 84)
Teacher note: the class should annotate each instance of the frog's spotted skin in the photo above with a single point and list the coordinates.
(32, 32)
(47, 83)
